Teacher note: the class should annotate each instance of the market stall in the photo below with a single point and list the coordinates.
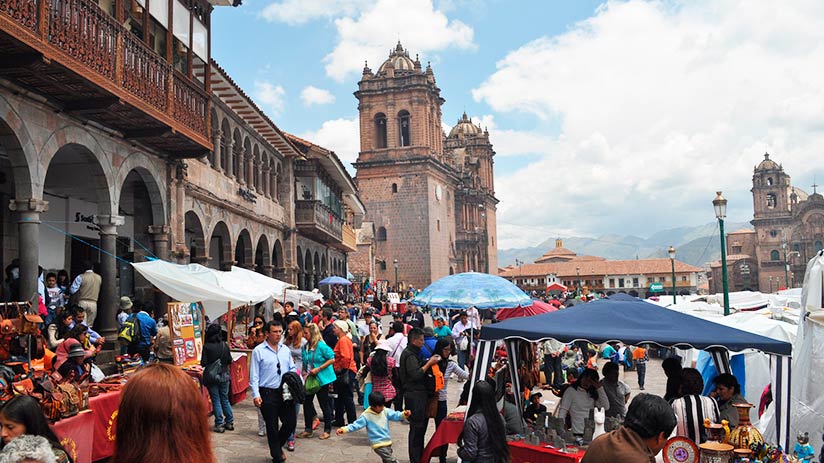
(631, 321)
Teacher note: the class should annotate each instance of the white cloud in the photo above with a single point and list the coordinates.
(341, 136)
(296, 12)
(649, 107)
(271, 96)
(312, 95)
(416, 23)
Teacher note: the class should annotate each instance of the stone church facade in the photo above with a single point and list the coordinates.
(430, 196)
(788, 231)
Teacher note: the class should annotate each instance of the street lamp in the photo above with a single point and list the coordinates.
(578, 274)
(671, 252)
(720, 206)
(397, 290)
(771, 280)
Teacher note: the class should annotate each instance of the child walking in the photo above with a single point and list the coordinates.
(376, 420)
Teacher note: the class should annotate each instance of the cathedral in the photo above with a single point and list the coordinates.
(429, 196)
(788, 230)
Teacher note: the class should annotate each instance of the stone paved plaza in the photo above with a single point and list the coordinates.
(244, 446)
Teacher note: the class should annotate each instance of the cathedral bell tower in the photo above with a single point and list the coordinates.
(406, 186)
(771, 190)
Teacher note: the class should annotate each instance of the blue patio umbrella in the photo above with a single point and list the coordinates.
(471, 289)
(334, 280)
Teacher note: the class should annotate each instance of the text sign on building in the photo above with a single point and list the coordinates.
(656, 287)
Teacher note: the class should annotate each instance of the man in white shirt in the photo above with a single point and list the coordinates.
(462, 332)
(397, 343)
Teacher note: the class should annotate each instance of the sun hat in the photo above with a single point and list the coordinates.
(342, 325)
(76, 350)
(383, 344)
(126, 303)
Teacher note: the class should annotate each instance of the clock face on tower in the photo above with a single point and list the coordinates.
(438, 192)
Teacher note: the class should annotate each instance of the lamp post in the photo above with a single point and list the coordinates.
(671, 252)
(771, 280)
(786, 262)
(397, 290)
(720, 206)
(578, 274)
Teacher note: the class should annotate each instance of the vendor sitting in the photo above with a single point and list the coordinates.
(534, 408)
(75, 337)
(80, 319)
(76, 368)
(727, 393)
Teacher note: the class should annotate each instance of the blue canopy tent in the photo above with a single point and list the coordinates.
(632, 321)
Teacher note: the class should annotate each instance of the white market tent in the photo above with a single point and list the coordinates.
(214, 288)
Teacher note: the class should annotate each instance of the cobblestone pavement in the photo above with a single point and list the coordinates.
(244, 445)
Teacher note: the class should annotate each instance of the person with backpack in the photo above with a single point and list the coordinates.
(216, 360)
(137, 333)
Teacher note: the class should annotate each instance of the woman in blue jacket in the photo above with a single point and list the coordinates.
(318, 358)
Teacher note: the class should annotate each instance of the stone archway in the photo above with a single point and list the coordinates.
(195, 238)
(263, 263)
(243, 250)
(220, 247)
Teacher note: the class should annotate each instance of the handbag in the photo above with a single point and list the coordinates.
(312, 385)
(211, 374)
(432, 407)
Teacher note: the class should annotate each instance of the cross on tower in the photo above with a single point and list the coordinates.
(814, 185)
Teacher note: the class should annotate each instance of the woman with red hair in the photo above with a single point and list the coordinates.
(162, 418)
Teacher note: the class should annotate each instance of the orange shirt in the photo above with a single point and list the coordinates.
(639, 353)
(344, 355)
(593, 362)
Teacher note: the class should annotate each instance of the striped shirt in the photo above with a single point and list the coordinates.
(690, 412)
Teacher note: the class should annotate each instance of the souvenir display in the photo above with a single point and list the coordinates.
(745, 433)
(803, 451)
(717, 432)
(186, 323)
(680, 450)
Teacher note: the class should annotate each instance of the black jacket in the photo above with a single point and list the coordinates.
(216, 350)
(295, 384)
(409, 371)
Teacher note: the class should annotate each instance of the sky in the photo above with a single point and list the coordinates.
(617, 117)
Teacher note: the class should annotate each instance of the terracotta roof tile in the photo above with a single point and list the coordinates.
(600, 267)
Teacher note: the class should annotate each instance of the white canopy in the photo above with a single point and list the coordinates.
(215, 289)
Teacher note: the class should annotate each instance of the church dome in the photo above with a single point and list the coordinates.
(400, 61)
(768, 164)
(464, 128)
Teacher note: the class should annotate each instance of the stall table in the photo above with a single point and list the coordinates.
(75, 435)
(447, 433)
(521, 452)
(104, 411)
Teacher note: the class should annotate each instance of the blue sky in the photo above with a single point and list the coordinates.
(616, 117)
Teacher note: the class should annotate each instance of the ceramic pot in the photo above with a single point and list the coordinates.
(716, 452)
(745, 433)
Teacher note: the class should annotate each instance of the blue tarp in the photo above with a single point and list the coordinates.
(631, 321)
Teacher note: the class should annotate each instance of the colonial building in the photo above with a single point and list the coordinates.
(121, 139)
(430, 197)
(789, 230)
(596, 274)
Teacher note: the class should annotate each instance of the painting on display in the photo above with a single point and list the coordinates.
(186, 323)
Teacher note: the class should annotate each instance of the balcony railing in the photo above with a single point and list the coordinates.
(86, 34)
(314, 216)
(348, 238)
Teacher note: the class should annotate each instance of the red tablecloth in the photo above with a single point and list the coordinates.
(447, 433)
(75, 435)
(104, 412)
(521, 452)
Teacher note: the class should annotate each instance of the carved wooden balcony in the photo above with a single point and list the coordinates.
(348, 242)
(315, 220)
(80, 58)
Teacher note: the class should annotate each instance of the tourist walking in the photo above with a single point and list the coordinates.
(215, 349)
(270, 361)
(483, 438)
(412, 370)
(640, 357)
(295, 342)
(376, 419)
(380, 365)
(397, 344)
(85, 291)
(345, 370)
(461, 333)
(318, 359)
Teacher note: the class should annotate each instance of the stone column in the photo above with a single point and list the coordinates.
(273, 185)
(202, 260)
(107, 303)
(240, 175)
(160, 239)
(250, 170)
(258, 179)
(268, 270)
(28, 236)
(230, 152)
(267, 182)
(217, 142)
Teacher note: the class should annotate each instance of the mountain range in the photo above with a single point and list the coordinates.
(693, 245)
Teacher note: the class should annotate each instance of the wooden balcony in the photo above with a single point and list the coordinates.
(348, 241)
(85, 62)
(318, 222)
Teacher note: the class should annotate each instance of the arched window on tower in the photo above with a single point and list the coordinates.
(771, 202)
(381, 234)
(380, 130)
(404, 128)
(774, 255)
(769, 181)
(394, 188)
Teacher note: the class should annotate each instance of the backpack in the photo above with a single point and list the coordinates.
(433, 380)
(130, 331)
